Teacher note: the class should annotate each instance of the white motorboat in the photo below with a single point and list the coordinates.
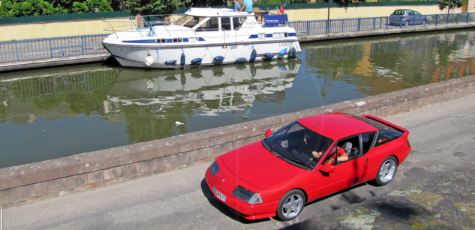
(205, 36)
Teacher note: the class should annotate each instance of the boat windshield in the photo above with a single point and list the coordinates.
(186, 20)
(295, 143)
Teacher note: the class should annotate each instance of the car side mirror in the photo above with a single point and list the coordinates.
(327, 168)
(268, 133)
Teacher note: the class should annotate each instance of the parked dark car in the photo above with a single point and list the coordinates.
(406, 17)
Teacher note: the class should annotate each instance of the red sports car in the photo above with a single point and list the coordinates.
(305, 160)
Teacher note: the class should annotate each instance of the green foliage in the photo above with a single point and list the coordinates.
(346, 3)
(21, 8)
(280, 2)
(451, 4)
(148, 7)
(80, 7)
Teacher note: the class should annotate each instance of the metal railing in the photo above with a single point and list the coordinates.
(51, 48)
(377, 23)
(92, 44)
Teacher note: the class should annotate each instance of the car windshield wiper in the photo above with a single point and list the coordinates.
(272, 149)
(297, 161)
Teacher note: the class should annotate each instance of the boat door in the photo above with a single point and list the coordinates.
(227, 29)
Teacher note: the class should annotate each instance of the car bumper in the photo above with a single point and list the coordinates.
(244, 209)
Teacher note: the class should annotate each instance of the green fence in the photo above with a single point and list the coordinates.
(63, 17)
(325, 5)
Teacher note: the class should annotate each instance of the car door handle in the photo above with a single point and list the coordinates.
(366, 159)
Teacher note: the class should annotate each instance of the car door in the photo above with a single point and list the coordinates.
(419, 17)
(344, 173)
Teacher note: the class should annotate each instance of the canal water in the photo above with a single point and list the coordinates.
(57, 112)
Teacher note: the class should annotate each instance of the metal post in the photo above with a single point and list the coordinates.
(400, 23)
(328, 22)
(359, 24)
(458, 18)
(437, 20)
(448, 17)
(50, 48)
(308, 28)
(16, 48)
(85, 45)
(425, 20)
(387, 22)
(374, 23)
(468, 17)
(342, 25)
(82, 45)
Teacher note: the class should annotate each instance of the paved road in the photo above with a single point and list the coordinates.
(442, 137)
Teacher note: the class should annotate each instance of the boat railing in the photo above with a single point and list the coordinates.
(141, 24)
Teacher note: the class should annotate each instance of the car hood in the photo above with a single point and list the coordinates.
(257, 166)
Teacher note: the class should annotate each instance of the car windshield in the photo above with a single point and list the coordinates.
(295, 143)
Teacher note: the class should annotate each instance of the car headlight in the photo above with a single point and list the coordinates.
(247, 195)
(214, 168)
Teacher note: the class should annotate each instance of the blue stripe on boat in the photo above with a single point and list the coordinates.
(141, 41)
(292, 34)
(269, 35)
(169, 40)
(253, 36)
(202, 39)
(185, 39)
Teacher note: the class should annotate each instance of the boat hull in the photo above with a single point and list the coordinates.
(134, 55)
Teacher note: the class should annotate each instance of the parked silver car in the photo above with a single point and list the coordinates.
(406, 17)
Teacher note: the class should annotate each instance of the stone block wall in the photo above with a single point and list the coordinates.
(25, 183)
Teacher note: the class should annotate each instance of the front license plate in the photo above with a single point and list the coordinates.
(219, 194)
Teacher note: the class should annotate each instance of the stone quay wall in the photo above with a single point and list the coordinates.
(26, 183)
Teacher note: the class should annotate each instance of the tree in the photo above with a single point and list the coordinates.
(148, 7)
(21, 8)
(451, 4)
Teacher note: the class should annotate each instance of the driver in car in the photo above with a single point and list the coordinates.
(340, 155)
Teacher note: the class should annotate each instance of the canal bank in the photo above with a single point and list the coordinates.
(73, 60)
(80, 172)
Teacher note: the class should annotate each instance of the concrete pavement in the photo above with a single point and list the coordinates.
(441, 135)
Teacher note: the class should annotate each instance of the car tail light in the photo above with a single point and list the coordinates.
(403, 17)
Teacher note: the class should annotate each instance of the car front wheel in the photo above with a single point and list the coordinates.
(291, 205)
(386, 172)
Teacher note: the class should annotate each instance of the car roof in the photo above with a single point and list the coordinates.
(336, 125)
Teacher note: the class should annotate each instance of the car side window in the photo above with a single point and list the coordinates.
(345, 150)
(386, 136)
(417, 13)
(411, 12)
(367, 141)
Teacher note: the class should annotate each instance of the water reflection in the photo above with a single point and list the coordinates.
(51, 113)
(393, 63)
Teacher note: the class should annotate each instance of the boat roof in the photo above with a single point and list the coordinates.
(214, 12)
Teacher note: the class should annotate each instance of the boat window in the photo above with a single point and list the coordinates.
(193, 39)
(280, 35)
(226, 23)
(237, 23)
(161, 40)
(187, 21)
(177, 39)
(261, 35)
(208, 24)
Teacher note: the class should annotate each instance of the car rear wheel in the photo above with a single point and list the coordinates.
(387, 171)
(291, 205)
